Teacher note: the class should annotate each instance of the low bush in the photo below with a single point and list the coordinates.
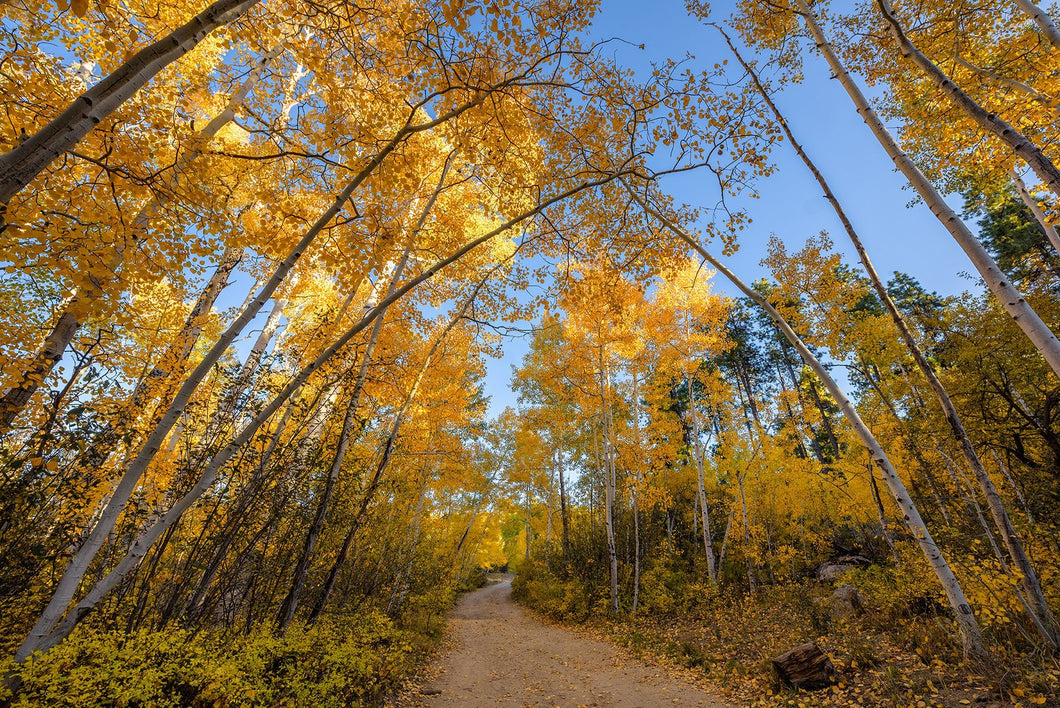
(333, 663)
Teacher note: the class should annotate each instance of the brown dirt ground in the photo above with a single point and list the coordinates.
(499, 655)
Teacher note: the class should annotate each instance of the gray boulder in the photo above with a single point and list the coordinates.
(846, 602)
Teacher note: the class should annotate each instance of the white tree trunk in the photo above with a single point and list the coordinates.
(55, 623)
(1039, 215)
(69, 321)
(990, 122)
(22, 164)
(1039, 606)
(1042, 19)
(708, 548)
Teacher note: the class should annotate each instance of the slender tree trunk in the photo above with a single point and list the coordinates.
(159, 379)
(1036, 95)
(388, 450)
(882, 515)
(725, 539)
(638, 478)
(290, 602)
(825, 420)
(751, 584)
(708, 549)
(563, 514)
(802, 450)
(987, 121)
(1042, 19)
(17, 397)
(235, 518)
(609, 482)
(974, 646)
(1028, 578)
(1039, 215)
(401, 582)
(1012, 301)
(22, 164)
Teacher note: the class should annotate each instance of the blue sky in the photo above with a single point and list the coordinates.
(898, 236)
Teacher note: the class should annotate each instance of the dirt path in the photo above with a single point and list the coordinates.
(501, 656)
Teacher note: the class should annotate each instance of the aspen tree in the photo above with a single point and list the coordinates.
(1001, 129)
(1014, 303)
(974, 646)
(1042, 19)
(56, 623)
(1027, 576)
(85, 300)
(290, 603)
(34, 154)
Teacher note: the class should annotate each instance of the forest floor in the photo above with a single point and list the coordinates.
(497, 653)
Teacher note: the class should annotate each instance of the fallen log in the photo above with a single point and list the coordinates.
(805, 667)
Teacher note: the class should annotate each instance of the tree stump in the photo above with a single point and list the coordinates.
(806, 667)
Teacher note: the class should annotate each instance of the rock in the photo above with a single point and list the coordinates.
(859, 561)
(805, 667)
(827, 572)
(846, 602)
(832, 570)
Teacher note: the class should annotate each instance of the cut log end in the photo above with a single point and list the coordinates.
(805, 667)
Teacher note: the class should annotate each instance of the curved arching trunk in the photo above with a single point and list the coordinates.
(84, 300)
(989, 122)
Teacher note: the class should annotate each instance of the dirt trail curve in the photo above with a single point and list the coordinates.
(501, 656)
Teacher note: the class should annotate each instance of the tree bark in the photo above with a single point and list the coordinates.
(989, 122)
(708, 549)
(290, 602)
(609, 481)
(22, 164)
(55, 623)
(1042, 19)
(1039, 215)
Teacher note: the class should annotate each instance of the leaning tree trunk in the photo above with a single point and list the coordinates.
(21, 165)
(301, 571)
(69, 321)
(290, 602)
(1028, 578)
(989, 122)
(1015, 305)
(105, 442)
(384, 461)
(1031, 203)
(974, 646)
(1042, 19)
(708, 548)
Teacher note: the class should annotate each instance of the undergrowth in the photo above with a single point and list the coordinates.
(903, 651)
